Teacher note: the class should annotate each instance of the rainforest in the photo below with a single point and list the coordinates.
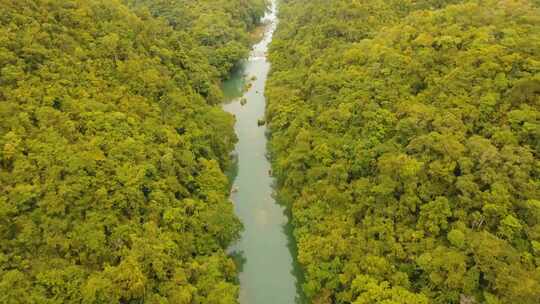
(406, 139)
(112, 184)
(270, 151)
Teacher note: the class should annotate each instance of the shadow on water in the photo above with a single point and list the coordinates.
(288, 230)
(239, 259)
(232, 171)
(234, 86)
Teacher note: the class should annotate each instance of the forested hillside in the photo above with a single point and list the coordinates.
(405, 137)
(112, 153)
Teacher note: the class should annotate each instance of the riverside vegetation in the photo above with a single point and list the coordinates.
(405, 137)
(112, 150)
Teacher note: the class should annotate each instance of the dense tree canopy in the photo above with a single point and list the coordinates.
(112, 152)
(406, 138)
(218, 27)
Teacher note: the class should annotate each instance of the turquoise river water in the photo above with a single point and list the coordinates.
(268, 274)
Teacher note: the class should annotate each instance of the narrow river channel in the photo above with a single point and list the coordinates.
(268, 272)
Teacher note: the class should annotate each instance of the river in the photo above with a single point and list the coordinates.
(268, 274)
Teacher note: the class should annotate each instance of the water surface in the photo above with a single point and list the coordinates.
(268, 274)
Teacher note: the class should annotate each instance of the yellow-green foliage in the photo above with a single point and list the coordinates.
(218, 28)
(111, 153)
(406, 138)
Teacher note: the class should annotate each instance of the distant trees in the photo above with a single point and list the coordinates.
(112, 155)
(405, 138)
(218, 28)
